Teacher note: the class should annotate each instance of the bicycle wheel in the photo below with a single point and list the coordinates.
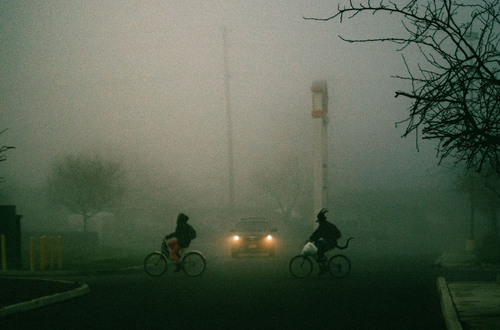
(300, 266)
(339, 265)
(193, 263)
(155, 264)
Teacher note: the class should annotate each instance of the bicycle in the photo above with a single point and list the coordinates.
(338, 265)
(193, 263)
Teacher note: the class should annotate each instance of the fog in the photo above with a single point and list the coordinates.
(143, 82)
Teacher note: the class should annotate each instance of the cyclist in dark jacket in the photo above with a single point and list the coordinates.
(180, 238)
(324, 237)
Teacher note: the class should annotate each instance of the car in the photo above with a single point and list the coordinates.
(254, 236)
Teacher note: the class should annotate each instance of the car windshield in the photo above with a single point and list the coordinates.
(252, 226)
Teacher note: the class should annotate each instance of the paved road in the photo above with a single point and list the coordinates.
(252, 293)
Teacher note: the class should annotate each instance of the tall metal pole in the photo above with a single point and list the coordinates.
(319, 114)
(229, 122)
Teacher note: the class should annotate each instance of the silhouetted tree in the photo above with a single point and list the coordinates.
(455, 90)
(85, 185)
(3, 149)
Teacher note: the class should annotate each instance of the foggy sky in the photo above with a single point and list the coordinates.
(145, 80)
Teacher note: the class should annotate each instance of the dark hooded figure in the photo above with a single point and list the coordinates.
(180, 238)
(324, 237)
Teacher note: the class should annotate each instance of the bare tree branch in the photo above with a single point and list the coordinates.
(455, 90)
(3, 149)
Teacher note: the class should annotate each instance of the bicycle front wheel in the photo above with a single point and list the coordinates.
(193, 263)
(155, 264)
(339, 265)
(300, 266)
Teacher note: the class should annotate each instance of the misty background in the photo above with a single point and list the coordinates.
(142, 83)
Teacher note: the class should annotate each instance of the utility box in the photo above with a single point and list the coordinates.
(10, 226)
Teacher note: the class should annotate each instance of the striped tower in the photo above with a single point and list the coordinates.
(320, 144)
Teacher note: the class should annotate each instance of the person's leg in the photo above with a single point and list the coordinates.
(322, 248)
(174, 249)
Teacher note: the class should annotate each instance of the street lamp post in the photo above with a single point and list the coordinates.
(229, 123)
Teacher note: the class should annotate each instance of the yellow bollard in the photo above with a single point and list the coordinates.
(43, 252)
(4, 252)
(51, 252)
(59, 252)
(32, 254)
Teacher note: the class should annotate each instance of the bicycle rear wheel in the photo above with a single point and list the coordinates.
(339, 265)
(155, 264)
(300, 266)
(193, 263)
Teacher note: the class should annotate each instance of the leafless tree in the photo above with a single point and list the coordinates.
(3, 149)
(85, 185)
(455, 89)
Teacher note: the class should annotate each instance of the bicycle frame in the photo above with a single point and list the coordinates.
(338, 265)
(192, 262)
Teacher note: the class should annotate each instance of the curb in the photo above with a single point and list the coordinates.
(447, 306)
(44, 301)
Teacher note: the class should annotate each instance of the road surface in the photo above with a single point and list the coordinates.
(383, 292)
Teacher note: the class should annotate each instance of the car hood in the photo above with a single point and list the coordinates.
(253, 232)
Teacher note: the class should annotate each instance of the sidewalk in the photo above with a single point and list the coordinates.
(468, 305)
